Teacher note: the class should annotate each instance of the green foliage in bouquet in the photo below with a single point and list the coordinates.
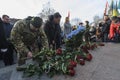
(75, 41)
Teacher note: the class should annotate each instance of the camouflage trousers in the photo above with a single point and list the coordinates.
(22, 56)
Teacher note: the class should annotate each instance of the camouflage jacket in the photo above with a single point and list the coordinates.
(24, 40)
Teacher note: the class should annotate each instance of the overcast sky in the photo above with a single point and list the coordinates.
(83, 9)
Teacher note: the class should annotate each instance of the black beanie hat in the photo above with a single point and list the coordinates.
(36, 22)
(57, 15)
(50, 17)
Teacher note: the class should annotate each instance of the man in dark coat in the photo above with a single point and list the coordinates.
(7, 26)
(53, 31)
(3, 41)
(8, 55)
(106, 28)
(2, 35)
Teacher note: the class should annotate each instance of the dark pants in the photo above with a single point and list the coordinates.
(117, 37)
(57, 44)
(0, 56)
(7, 56)
(105, 37)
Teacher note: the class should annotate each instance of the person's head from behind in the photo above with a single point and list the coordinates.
(92, 25)
(114, 19)
(118, 20)
(74, 27)
(106, 17)
(67, 19)
(81, 24)
(57, 18)
(6, 19)
(50, 18)
(29, 18)
(35, 23)
(100, 24)
(87, 22)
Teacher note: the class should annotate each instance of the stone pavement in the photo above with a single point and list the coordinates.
(104, 66)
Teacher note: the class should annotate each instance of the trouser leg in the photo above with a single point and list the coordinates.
(1, 56)
(105, 37)
(8, 57)
(21, 59)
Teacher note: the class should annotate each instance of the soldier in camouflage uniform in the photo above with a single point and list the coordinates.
(28, 37)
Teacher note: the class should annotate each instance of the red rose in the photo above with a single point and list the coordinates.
(79, 57)
(70, 67)
(92, 47)
(85, 50)
(88, 47)
(89, 57)
(82, 62)
(83, 47)
(59, 51)
(73, 63)
(71, 72)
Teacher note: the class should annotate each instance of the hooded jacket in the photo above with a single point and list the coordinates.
(106, 26)
(53, 32)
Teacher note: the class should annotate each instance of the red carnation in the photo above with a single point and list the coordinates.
(89, 57)
(85, 50)
(83, 47)
(88, 47)
(70, 67)
(73, 63)
(59, 51)
(82, 62)
(71, 72)
(79, 57)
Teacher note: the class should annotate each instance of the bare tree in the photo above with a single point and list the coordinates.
(46, 11)
(75, 21)
(97, 20)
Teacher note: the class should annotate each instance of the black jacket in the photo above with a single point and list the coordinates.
(106, 26)
(3, 41)
(7, 28)
(53, 32)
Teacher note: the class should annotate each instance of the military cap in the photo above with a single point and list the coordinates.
(36, 22)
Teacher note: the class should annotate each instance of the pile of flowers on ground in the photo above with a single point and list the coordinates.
(62, 61)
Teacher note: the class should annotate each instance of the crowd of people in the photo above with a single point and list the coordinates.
(28, 36)
(107, 30)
